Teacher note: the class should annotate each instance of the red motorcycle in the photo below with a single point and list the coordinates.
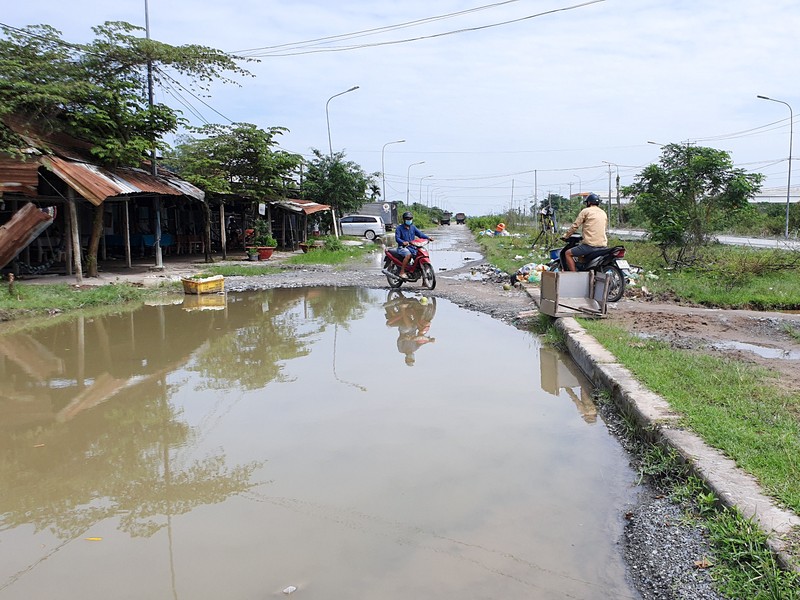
(419, 267)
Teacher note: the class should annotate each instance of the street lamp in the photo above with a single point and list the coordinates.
(619, 209)
(330, 148)
(383, 168)
(420, 187)
(580, 186)
(408, 177)
(327, 118)
(789, 183)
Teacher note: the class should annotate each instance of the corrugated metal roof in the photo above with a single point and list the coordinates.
(302, 206)
(97, 184)
(19, 177)
(69, 159)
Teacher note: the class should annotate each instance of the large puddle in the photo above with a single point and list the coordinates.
(333, 443)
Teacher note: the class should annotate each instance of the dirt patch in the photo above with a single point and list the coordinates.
(768, 339)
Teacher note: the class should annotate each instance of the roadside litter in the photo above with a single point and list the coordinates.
(532, 273)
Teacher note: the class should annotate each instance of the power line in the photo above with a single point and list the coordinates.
(373, 31)
(423, 37)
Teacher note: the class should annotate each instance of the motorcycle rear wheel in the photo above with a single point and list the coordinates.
(394, 279)
(616, 282)
(428, 276)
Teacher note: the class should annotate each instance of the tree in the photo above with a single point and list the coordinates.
(235, 159)
(689, 194)
(97, 92)
(342, 184)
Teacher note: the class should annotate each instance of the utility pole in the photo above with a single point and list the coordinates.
(153, 168)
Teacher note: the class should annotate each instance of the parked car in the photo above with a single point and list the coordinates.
(367, 226)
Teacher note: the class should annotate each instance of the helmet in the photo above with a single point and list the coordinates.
(592, 199)
(501, 226)
(407, 215)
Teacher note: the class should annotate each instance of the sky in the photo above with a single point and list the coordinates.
(499, 103)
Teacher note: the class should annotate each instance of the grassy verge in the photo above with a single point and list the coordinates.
(42, 298)
(725, 276)
(333, 253)
(509, 253)
(742, 564)
(239, 270)
(733, 406)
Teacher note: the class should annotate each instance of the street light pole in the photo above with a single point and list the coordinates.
(327, 118)
(383, 168)
(789, 182)
(420, 187)
(408, 178)
(619, 208)
(330, 149)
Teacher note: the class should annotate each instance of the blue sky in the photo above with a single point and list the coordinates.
(497, 112)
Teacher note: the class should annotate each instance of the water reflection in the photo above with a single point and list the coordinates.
(412, 316)
(236, 451)
(557, 374)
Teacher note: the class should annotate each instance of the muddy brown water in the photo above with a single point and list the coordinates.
(333, 443)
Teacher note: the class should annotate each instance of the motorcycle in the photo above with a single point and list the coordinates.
(419, 268)
(608, 261)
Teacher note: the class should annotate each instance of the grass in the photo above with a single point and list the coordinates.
(235, 269)
(502, 251)
(724, 276)
(62, 296)
(332, 255)
(742, 564)
(733, 406)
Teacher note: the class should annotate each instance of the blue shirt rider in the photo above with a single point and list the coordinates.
(404, 234)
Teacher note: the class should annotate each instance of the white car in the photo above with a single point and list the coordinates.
(362, 225)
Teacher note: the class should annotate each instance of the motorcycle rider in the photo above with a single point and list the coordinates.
(404, 235)
(593, 222)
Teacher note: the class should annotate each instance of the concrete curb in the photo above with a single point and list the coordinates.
(659, 424)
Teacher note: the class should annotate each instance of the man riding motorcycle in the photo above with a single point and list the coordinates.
(593, 221)
(404, 234)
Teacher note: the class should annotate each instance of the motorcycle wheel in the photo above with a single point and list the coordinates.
(616, 281)
(428, 276)
(394, 279)
(554, 266)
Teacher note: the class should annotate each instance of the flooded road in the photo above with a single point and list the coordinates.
(346, 442)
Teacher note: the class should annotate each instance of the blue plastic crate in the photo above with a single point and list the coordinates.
(554, 254)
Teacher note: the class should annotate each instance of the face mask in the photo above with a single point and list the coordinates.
(408, 221)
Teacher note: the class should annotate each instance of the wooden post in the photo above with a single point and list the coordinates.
(157, 245)
(126, 232)
(223, 238)
(76, 237)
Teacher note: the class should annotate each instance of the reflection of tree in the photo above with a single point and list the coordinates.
(110, 463)
(259, 340)
(347, 304)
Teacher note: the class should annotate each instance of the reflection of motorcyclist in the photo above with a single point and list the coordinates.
(412, 317)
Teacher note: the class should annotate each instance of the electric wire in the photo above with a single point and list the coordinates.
(425, 37)
(373, 31)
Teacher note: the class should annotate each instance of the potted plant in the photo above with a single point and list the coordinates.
(263, 240)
